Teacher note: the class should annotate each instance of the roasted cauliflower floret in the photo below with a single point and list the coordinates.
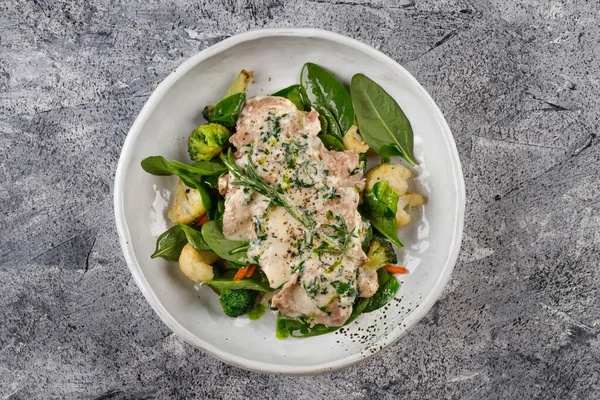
(407, 200)
(396, 175)
(196, 264)
(187, 205)
(352, 141)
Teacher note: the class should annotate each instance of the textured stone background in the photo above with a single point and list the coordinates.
(520, 87)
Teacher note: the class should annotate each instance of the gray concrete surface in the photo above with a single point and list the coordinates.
(519, 83)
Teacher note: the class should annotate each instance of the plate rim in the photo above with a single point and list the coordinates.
(136, 271)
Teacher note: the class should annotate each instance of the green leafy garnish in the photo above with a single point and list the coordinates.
(226, 111)
(158, 165)
(295, 94)
(324, 90)
(188, 173)
(380, 206)
(194, 238)
(331, 126)
(300, 327)
(388, 287)
(232, 250)
(170, 243)
(225, 282)
(381, 121)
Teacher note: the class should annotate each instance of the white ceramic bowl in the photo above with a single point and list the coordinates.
(432, 239)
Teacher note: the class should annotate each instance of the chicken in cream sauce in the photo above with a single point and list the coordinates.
(316, 271)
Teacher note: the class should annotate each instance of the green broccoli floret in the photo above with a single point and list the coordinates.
(207, 141)
(208, 112)
(239, 86)
(237, 302)
(381, 253)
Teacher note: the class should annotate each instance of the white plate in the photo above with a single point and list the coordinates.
(432, 239)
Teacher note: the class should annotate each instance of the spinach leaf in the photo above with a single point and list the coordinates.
(188, 173)
(385, 193)
(331, 142)
(295, 94)
(324, 123)
(381, 121)
(232, 250)
(379, 209)
(158, 165)
(332, 127)
(194, 238)
(170, 243)
(201, 168)
(211, 181)
(323, 89)
(217, 212)
(227, 110)
(359, 306)
(388, 286)
(225, 282)
(300, 328)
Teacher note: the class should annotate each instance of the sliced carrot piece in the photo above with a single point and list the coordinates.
(251, 269)
(241, 273)
(395, 269)
(203, 219)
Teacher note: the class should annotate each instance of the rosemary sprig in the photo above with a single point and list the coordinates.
(252, 180)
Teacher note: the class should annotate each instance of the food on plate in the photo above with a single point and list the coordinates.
(278, 210)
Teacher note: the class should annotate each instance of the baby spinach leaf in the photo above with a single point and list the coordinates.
(217, 212)
(170, 243)
(359, 306)
(331, 142)
(332, 127)
(382, 123)
(227, 110)
(388, 287)
(300, 327)
(232, 250)
(324, 123)
(158, 165)
(194, 238)
(323, 89)
(225, 282)
(381, 211)
(295, 94)
(385, 193)
(201, 168)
